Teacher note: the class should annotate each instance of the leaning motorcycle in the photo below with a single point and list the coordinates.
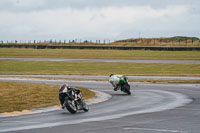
(73, 101)
(126, 88)
(122, 84)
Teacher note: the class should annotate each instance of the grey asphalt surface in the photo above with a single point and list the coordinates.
(105, 77)
(153, 108)
(107, 60)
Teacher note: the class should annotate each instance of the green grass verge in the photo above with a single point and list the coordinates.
(99, 54)
(25, 96)
(97, 68)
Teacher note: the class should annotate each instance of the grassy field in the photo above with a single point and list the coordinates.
(177, 41)
(20, 96)
(97, 68)
(99, 54)
(25, 96)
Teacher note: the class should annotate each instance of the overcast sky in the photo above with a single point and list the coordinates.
(98, 19)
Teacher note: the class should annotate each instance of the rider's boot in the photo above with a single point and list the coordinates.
(63, 106)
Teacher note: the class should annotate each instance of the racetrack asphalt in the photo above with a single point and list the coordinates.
(152, 108)
(105, 77)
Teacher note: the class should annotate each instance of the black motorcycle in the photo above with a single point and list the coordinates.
(72, 100)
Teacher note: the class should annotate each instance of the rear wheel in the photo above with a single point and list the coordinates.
(71, 106)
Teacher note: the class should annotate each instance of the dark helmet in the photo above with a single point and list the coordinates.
(111, 75)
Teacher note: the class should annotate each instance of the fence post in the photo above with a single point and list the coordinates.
(186, 41)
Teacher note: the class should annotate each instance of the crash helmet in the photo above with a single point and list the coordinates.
(66, 85)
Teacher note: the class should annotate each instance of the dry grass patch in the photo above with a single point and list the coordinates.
(97, 68)
(16, 96)
(99, 54)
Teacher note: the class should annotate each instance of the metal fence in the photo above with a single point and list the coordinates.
(106, 41)
(129, 42)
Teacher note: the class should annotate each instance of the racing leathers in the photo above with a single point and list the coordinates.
(117, 81)
(62, 93)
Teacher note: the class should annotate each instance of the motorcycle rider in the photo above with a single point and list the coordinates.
(117, 81)
(62, 93)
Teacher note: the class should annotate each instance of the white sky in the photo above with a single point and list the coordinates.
(98, 19)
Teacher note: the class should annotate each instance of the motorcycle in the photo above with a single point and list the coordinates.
(72, 100)
(126, 88)
(122, 84)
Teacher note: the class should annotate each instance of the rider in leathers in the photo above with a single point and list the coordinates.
(117, 81)
(62, 93)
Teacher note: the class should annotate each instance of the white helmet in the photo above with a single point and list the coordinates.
(64, 88)
(66, 85)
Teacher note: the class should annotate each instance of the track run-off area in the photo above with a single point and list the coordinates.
(107, 60)
(152, 108)
(146, 99)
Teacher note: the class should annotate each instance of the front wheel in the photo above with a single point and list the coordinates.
(71, 106)
(85, 107)
(128, 92)
(126, 88)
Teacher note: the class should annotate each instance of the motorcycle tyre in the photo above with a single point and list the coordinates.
(85, 107)
(126, 88)
(128, 92)
(71, 108)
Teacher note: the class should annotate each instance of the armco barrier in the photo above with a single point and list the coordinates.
(100, 47)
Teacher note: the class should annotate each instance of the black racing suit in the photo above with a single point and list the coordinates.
(63, 95)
